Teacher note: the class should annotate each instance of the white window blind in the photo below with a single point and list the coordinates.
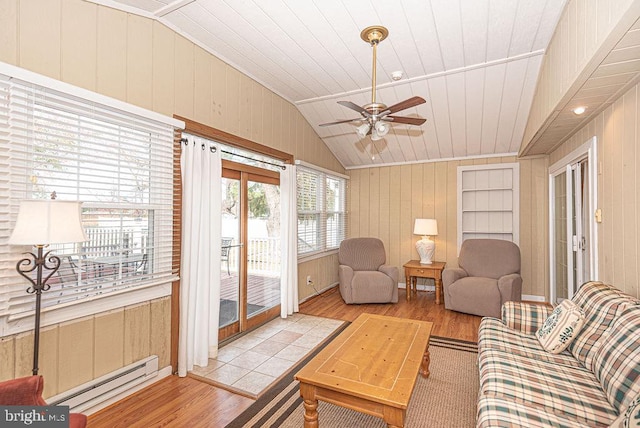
(120, 165)
(322, 214)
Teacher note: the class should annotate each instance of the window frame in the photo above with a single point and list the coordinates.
(321, 211)
(152, 289)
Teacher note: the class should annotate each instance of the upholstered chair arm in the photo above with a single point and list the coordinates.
(24, 391)
(510, 287)
(451, 275)
(524, 317)
(345, 276)
(391, 272)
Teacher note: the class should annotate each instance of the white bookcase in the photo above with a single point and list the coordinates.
(488, 202)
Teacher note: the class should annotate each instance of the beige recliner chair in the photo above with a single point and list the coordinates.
(489, 275)
(364, 278)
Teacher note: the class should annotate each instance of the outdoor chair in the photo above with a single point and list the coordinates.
(226, 249)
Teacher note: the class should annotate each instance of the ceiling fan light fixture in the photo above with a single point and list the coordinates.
(382, 128)
(363, 130)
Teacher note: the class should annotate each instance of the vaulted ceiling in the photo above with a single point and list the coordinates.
(476, 62)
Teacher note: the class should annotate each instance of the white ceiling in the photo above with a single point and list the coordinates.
(476, 62)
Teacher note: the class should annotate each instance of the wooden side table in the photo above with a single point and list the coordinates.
(414, 270)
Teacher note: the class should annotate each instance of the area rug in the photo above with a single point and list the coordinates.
(446, 399)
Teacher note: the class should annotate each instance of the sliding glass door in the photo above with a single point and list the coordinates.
(250, 269)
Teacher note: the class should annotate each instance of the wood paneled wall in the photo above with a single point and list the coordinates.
(385, 201)
(617, 131)
(78, 351)
(142, 62)
(582, 29)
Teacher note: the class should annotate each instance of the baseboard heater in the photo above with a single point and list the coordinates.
(101, 389)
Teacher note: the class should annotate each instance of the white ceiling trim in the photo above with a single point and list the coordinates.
(171, 7)
(461, 158)
(425, 77)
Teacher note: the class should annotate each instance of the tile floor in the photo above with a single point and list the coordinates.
(257, 359)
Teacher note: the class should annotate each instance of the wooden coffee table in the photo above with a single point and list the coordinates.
(370, 367)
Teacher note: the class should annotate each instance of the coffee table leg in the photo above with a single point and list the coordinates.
(308, 393)
(426, 360)
(394, 417)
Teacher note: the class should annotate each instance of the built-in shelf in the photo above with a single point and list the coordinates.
(488, 202)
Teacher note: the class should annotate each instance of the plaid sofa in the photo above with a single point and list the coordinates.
(594, 383)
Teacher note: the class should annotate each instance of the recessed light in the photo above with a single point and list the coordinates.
(579, 110)
(397, 75)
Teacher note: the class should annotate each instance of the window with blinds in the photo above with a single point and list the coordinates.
(322, 213)
(120, 165)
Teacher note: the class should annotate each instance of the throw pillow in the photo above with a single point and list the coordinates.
(561, 327)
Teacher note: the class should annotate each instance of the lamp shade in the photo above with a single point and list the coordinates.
(43, 222)
(425, 227)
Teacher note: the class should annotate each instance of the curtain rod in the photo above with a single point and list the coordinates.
(214, 149)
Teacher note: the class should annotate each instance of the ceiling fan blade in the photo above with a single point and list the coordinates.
(356, 107)
(408, 120)
(341, 121)
(410, 102)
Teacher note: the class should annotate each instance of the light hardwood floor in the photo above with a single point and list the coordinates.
(186, 402)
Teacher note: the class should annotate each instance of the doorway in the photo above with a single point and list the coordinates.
(573, 237)
(250, 268)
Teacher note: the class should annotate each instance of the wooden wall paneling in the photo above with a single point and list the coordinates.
(617, 216)
(78, 43)
(39, 37)
(108, 348)
(184, 82)
(219, 94)
(163, 54)
(8, 358)
(49, 358)
(137, 323)
(267, 122)
(383, 207)
(443, 240)
(364, 200)
(276, 120)
(373, 203)
(257, 113)
(24, 354)
(159, 334)
(540, 226)
(111, 67)
(451, 230)
(628, 190)
(405, 220)
(75, 353)
(9, 31)
(232, 122)
(354, 203)
(202, 105)
(288, 131)
(244, 101)
(633, 286)
(526, 226)
(606, 200)
(395, 208)
(139, 61)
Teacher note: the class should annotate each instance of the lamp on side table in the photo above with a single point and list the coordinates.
(426, 247)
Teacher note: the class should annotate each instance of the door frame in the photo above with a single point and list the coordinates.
(245, 173)
(196, 128)
(588, 150)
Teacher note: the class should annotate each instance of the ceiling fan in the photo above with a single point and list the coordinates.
(376, 117)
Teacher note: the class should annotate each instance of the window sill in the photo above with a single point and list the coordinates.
(86, 308)
(319, 255)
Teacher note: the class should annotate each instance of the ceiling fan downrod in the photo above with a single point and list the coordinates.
(374, 35)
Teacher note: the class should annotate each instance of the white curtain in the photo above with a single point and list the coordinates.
(288, 242)
(201, 166)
